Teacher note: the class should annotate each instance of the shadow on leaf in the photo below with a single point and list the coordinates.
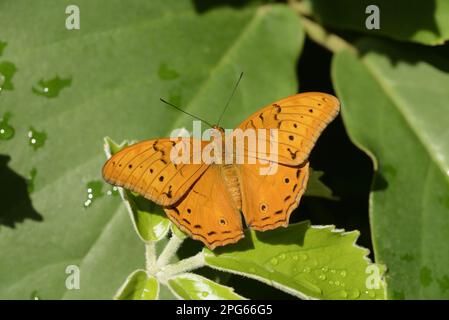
(15, 200)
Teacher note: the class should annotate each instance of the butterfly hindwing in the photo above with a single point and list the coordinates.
(268, 200)
(146, 168)
(207, 213)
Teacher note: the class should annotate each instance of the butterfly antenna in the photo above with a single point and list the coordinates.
(179, 109)
(230, 97)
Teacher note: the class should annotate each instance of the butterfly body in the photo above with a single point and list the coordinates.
(206, 199)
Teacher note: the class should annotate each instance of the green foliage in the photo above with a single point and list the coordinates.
(402, 124)
(62, 91)
(190, 286)
(138, 286)
(307, 262)
(424, 22)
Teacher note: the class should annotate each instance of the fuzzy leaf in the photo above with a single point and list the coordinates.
(397, 112)
(138, 286)
(305, 261)
(191, 286)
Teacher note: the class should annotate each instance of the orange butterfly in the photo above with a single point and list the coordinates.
(205, 200)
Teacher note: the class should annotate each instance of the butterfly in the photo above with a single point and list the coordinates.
(205, 200)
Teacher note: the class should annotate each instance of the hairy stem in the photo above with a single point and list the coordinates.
(169, 251)
(150, 258)
(320, 35)
(195, 262)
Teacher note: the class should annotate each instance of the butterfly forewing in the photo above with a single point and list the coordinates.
(299, 121)
(146, 168)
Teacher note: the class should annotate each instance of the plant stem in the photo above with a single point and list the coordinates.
(150, 258)
(301, 7)
(169, 251)
(320, 35)
(195, 262)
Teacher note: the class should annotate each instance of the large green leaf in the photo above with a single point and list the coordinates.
(307, 262)
(106, 80)
(420, 21)
(397, 111)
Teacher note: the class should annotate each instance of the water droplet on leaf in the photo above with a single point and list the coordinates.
(342, 294)
(353, 293)
(35, 295)
(166, 73)
(7, 71)
(51, 88)
(274, 261)
(113, 191)
(6, 130)
(36, 139)
(2, 47)
(94, 191)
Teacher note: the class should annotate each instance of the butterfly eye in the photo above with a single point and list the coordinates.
(222, 222)
(263, 207)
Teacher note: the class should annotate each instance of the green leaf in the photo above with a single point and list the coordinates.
(149, 220)
(307, 262)
(138, 286)
(317, 188)
(177, 232)
(397, 112)
(113, 62)
(425, 22)
(190, 286)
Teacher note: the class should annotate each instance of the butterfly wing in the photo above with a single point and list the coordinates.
(146, 168)
(207, 213)
(268, 200)
(300, 119)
